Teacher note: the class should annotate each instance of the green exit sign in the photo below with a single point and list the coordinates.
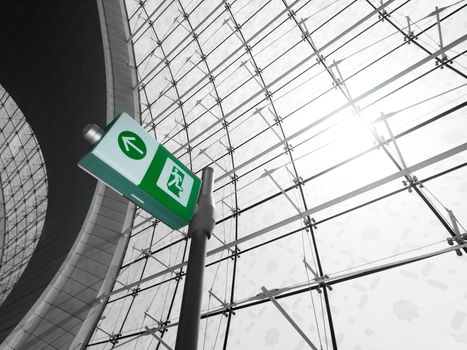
(134, 164)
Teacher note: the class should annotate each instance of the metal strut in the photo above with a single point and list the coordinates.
(270, 296)
(321, 280)
(444, 57)
(410, 33)
(459, 238)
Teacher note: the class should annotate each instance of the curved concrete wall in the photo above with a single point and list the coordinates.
(64, 72)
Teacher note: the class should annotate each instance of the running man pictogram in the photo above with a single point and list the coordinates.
(175, 181)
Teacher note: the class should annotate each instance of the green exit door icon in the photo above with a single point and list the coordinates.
(134, 164)
(175, 181)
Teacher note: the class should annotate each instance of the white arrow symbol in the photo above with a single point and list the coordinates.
(128, 141)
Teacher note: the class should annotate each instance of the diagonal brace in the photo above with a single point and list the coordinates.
(268, 294)
(159, 339)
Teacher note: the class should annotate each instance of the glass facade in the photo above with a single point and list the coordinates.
(338, 134)
(23, 201)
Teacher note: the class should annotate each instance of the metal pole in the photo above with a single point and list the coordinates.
(199, 231)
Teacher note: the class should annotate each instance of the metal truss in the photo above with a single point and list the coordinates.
(232, 84)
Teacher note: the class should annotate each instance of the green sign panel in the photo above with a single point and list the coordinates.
(134, 164)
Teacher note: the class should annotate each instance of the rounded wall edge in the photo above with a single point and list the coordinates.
(106, 7)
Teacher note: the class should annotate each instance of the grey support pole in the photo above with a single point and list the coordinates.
(199, 232)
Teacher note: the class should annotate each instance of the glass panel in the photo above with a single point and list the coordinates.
(338, 143)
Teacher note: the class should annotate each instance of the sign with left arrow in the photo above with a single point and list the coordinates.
(134, 164)
(132, 145)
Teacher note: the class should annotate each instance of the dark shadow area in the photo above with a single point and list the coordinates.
(52, 65)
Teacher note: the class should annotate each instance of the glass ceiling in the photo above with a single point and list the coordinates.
(338, 135)
(23, 193)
